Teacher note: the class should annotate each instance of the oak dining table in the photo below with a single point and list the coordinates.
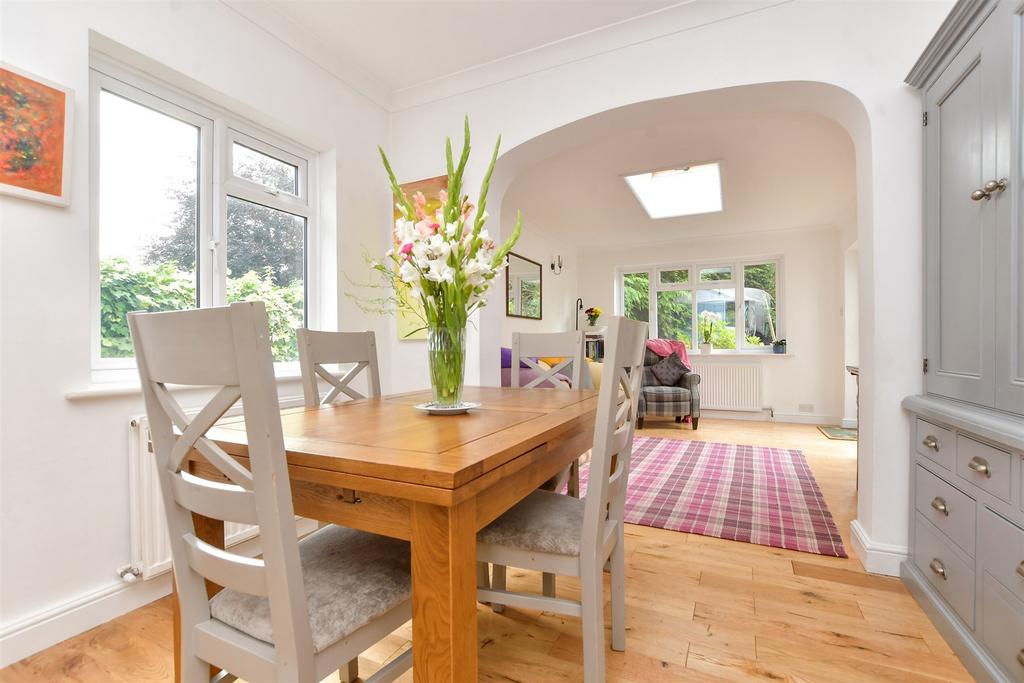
(381, 465)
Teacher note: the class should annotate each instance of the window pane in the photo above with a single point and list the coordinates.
(759, 304)
(263, 169)
(674, 277)
(714, 274)
(267, 262)
(675, 316)
(716, 317)
(148, 189)
(635, 301)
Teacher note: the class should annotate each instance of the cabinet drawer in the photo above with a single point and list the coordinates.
(1002, 627)
(986, 467)
(949, 509)
(935, 442)
(1002, 551)
(952, 577)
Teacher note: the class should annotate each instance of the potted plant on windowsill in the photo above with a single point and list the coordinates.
(706, 327)
(779, 346)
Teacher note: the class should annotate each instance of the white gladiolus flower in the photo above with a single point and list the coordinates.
(408, 273)
(439, 271)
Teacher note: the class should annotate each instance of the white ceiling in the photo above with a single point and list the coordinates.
(779, 171)
(405, 43)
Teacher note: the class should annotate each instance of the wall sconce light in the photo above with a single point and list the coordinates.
(556, 265)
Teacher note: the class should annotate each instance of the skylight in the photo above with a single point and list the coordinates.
(682, 191)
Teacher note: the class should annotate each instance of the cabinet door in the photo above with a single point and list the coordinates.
(1008, 206)
(960, 156)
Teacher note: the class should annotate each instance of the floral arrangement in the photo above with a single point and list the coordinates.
(706, 325)
(593, 313)
(446, 262)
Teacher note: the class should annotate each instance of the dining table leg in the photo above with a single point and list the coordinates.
(444, 593)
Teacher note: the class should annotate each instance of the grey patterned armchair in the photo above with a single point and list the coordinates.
(678, 400)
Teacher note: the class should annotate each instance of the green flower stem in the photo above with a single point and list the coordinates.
(446, 350)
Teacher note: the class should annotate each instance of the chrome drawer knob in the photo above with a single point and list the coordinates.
(931, 442)
(939, 505)
(937, 567)
(980, 465)
(991, 187)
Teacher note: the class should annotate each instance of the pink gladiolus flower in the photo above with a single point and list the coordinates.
(424, 229)
(420, 202)
(443, 196)
(407, 249)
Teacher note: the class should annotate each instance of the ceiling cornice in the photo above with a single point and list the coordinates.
(264, 15)
(674, 19)
(962, 21)
(680, 17)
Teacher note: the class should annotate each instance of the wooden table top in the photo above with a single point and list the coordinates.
(389, 439)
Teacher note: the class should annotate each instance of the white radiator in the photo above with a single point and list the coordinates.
(150, 545)
(729, 386)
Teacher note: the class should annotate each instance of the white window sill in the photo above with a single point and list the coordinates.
(99, 390)
(738, 354)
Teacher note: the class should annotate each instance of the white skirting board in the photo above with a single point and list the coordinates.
(764, 416)
(35, 632)
(877, 558)
(38, 631)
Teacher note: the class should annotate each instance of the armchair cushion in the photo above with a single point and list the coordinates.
(669, 370)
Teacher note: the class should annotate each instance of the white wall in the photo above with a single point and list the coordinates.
(63, 471)
(863, 49)
(560, 291)
(810, 286)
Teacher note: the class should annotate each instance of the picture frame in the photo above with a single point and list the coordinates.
(35, 151)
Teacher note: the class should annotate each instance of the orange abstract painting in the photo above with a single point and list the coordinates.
(33, 128)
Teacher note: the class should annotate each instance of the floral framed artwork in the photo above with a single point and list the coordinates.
(410, 314)
(35, 136)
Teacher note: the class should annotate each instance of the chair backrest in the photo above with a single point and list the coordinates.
(319, 348)
(613, 432)
(566, 345)
(229, 348)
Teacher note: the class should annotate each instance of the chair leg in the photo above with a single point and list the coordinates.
(549, 585)
(483, 580)
(679, 419)
(351, 671)
(573, 487)
(640, 422)
(592, 599)
(618, 583)
(695, 420)
(498, 584)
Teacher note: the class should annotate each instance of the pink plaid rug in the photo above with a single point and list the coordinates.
(756, 494)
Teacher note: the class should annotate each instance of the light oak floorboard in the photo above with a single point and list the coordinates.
(698, 609)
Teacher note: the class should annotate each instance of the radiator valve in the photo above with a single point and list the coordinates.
(129, 574)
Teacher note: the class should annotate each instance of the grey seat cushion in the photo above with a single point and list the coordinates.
(543, 522)
(656, 394)
(351, 578)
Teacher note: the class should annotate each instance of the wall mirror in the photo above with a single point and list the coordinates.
(523, 290)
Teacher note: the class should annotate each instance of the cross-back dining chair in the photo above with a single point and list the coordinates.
(568, 346)
(317, 349)
(304, 609)
(558, 534)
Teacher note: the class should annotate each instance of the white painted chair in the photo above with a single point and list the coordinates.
(306, 608)
(559, 534)
(317, 349)
(566, 345)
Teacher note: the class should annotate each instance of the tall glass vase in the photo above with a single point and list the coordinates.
(446, 348)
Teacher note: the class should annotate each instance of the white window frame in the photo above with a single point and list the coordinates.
(219, 130)
(694, 283)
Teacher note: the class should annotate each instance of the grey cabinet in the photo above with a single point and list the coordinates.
(966, 532)
(974, 327)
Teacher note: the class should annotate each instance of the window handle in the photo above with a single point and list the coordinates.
(213, 245)
(272, 190)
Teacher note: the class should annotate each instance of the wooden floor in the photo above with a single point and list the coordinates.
(698, 609)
